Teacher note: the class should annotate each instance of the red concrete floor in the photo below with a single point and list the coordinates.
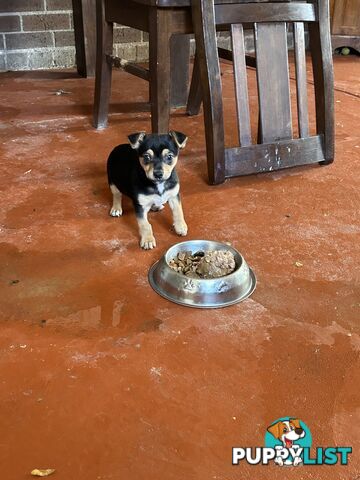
(102, 379)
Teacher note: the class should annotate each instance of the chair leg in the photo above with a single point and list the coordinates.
(180, 59)
(84, 15)
(259, 130)
(195, 95)
(103, 67)
(204, 27)
(321, 53)
(160, 68)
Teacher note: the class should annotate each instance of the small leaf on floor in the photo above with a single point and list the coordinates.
(42, 472)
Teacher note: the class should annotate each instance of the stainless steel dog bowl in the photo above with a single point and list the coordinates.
(202, 293)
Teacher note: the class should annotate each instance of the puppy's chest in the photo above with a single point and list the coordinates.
(159, 198)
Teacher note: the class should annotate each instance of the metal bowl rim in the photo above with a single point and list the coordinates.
(184, 304)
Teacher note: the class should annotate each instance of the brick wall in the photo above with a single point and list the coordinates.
(38, 34)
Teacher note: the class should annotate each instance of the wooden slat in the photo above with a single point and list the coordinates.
(275, 156)
(301, 85)
(273, 81)
(128, 67)
(226, 54)
(241, 87)
(269, 12)
(320, 46)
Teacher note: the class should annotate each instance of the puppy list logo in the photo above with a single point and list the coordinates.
(287, 443)
(288, 437)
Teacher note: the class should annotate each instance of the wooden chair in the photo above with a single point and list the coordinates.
(277, 148)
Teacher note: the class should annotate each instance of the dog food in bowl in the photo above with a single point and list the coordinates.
(204, 264)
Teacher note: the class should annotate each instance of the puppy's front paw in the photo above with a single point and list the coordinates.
(115, 212)
(279, 461)
(181, 228)
(147, 242)
(297, 461)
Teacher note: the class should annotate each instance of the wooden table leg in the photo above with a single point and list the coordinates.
(195, 94)
(103, 67)
(180, 59)
(160, 68)
(85, 36)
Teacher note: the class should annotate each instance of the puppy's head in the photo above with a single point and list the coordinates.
(287, 431)
(158, 154)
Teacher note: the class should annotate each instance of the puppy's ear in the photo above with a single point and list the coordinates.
(275, 430)
(135, 139)
(179, 138)
(296, 422)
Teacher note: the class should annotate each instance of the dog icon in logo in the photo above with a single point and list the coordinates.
(287, 432)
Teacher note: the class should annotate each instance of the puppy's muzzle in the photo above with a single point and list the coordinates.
(158, 174)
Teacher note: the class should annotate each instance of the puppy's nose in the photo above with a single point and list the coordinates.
(158, 175)
(299, 431)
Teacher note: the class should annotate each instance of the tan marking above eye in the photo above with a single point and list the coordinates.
(150, 152)
(165, 152)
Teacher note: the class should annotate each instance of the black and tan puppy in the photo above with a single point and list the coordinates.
(145, 172)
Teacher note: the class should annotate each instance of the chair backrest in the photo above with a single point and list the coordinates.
(278, 148)
(272, 67)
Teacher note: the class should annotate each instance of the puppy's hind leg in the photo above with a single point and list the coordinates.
(116, 209)
(178, 216)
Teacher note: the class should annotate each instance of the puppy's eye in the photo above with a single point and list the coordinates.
(285, 430)
(146, 158)
(169, 157)
(292, 428)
